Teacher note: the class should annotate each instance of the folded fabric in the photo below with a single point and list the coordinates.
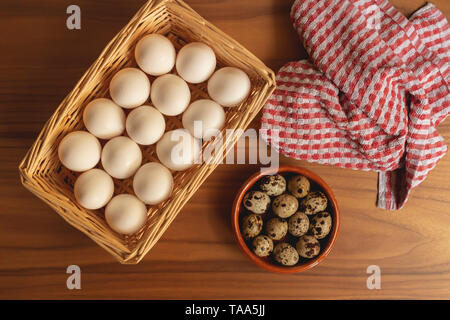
(371, 95)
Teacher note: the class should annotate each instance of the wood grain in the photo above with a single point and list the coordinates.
(197, 257)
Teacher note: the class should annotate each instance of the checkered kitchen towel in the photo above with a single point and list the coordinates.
(371, 95)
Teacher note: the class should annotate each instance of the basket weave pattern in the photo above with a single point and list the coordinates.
(42, 173)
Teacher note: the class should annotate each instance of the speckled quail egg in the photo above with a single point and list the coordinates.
(298, 224)
(314, 202)
(308, 247)
(285, 205)
(262, 246)
(251, 226)
(273, 185)
(276, 228)
(321, 225)
(256, 202)
(299, 186)
(285, 254)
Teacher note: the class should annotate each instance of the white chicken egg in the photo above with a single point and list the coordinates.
(130, 88)
(196, 62)
(145, 125)
(153, 183)
(121, 157)
(79, 151)
(125, 214)
(178, 150)
(229, 86)
(104, 119)
(170, 94)
(155, 54)
(93, 189)
(203, 118)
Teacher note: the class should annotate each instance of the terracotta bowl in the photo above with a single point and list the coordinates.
(326, 244)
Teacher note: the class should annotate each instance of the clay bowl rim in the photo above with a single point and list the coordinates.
(272, 267)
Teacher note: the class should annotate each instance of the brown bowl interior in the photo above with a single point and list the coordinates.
(267, 263)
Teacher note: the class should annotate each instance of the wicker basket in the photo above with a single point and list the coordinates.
(42, 173)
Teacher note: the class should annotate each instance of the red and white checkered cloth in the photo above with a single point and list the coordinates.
(371, 95)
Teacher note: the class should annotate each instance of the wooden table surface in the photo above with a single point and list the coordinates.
(41, 60)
